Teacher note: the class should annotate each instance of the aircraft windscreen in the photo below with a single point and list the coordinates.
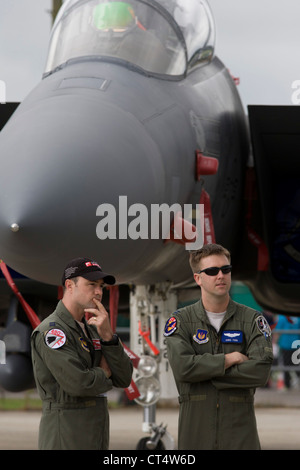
(138, 32)
(196, 22)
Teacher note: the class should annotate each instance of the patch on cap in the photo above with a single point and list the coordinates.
(88, 269)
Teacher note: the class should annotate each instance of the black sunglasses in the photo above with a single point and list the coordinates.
(214, 270)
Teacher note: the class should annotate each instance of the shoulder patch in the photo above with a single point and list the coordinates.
(55, 338)
(263, 326)
(171, 326)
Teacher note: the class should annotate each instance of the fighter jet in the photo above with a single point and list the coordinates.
(135, 117)
(123, 109)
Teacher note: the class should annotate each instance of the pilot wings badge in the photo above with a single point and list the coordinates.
(201, 336)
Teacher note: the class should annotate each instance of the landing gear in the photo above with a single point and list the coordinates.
(150, 307)
(146, 444)
(159, 438)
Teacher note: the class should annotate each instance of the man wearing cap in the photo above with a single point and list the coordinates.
(76, 362)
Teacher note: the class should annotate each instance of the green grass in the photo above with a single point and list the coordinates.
(25, 403)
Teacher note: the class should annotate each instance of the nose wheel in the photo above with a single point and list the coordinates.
(143, 444)
(159, 438)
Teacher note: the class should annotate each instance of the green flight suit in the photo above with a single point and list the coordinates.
(216, 405)
(71, 384)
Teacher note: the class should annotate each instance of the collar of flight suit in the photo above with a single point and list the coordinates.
(63, 313)
(230, 311)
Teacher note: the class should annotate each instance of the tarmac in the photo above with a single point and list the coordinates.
(277, 414)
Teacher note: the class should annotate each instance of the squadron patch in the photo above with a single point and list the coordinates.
(55, 338)
(84, 344)
(201, 336)
(263, 326)
(171, 326)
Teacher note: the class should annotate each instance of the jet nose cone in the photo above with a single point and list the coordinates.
(60, 160)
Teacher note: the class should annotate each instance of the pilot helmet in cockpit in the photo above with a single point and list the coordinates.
(114, 16)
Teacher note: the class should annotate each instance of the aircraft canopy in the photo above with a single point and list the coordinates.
(165, 37)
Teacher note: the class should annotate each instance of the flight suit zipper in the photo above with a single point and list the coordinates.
(217, 349)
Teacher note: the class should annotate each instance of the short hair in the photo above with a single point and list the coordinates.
(207, 250)
(74, 279)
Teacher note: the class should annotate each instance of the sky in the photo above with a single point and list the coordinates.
(258, 40)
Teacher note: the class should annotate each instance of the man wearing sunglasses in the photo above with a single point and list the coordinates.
(219, 351)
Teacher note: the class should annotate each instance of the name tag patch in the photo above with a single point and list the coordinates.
(232, 336)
